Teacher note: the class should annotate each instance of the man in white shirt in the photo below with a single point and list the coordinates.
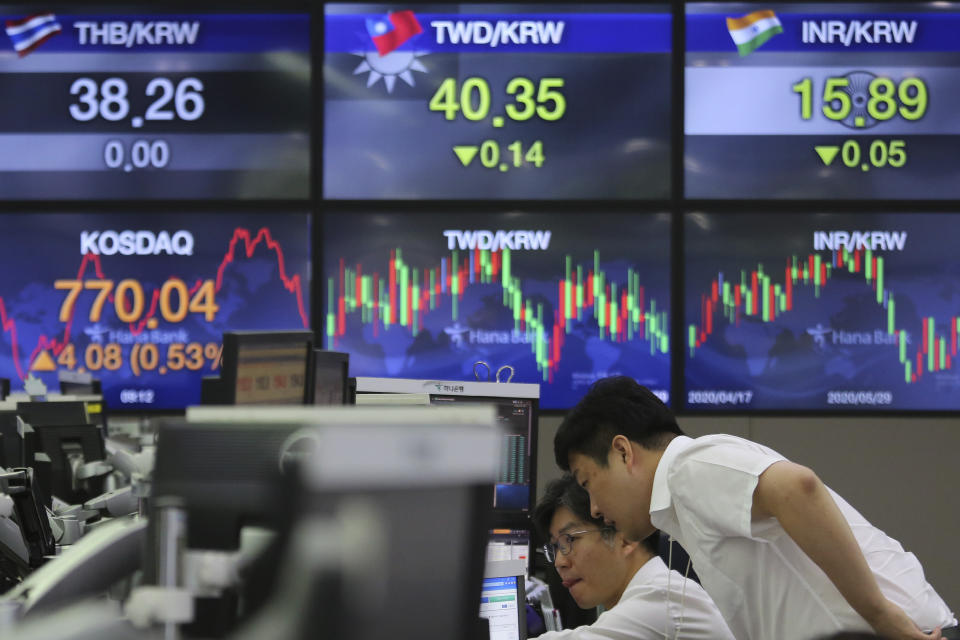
(782, 555)
(643, 599)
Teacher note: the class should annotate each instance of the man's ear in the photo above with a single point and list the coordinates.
(621, 448)
(626, 547)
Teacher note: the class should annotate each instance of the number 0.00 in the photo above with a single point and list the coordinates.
(143, 154)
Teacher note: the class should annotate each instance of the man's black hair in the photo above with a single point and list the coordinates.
(614, 406)
(565, 492)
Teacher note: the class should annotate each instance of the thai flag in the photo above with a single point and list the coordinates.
(29, 33)
(391, 31)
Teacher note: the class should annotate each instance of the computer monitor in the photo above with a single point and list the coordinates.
(227, 475)
(67, 447)
(94, 403)
(330, 370)
(11, 439)
(509, 544)
(351, 390)
(517, 411)
(72, 382)
(213, 390)
(61, 413)
(423, 470)
(503, 600)
(266, 367)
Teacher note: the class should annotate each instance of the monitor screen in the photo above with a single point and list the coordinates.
(154, 105)
(509, 544)
(826, 100)
(466, 101)
(144, 302)
(503, 604)
(271, 372)
(822, 311)
(513, 489)
(563, 298)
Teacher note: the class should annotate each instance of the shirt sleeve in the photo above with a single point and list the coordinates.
(645, 618)
(714, 483)
(641, 621)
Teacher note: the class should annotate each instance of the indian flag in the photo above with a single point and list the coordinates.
(752, 30)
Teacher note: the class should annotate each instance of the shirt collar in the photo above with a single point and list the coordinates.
(660, 495)
(645, 575)
(649, 570)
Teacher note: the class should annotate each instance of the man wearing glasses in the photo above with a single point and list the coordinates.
(642, 598)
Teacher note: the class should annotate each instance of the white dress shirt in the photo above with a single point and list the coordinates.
(649, 609)
(763, 583)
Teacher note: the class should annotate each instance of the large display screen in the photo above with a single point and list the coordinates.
(828, 100)
(822, 311)
(531, 101)
(563, 298)
(143, 305)
(146, 105)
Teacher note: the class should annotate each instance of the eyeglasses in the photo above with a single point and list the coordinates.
(565, 544)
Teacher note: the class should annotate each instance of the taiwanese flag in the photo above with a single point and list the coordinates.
(390, 32)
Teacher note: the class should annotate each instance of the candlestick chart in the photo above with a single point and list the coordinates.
(795, 311)
(562, 298)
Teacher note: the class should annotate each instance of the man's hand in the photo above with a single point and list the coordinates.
(894, 624)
